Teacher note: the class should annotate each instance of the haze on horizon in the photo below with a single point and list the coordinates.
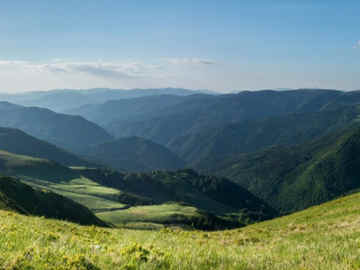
(221, 46)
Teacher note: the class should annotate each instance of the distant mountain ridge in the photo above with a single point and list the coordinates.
(62, 100)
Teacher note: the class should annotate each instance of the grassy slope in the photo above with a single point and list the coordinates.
(151, 215)
(84, 191)
(323, 237)
(19, 197)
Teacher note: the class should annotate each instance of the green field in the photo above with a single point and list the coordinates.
(103, 202)
(322, 237)
(158, 214)
(84, 191)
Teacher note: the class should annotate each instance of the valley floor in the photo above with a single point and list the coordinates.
(321, 237)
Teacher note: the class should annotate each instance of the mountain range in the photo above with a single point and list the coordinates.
(62, 100)
(255, 155)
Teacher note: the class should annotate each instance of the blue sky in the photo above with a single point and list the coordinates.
(218, 45)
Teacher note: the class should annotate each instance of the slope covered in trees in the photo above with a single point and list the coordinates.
(205, 149)
(293, 178)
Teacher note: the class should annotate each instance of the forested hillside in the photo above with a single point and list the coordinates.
(293, 178)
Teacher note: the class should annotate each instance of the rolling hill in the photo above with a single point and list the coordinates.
(128, 110)
(18, 142)
(293, 178)
(135, 154)
(21, 198)
(72, 133)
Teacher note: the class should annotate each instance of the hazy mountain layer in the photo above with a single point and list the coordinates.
(73, 133)
(18, 142)
(67, 99)
(135, 154)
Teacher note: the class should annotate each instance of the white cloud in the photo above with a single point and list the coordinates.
(107, 70)
(186, 61)
(64, 73)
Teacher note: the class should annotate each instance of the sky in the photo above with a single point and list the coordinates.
(224, 46)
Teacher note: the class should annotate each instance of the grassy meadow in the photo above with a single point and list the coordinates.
(84, 191)
(103, 202)
(150, 215)
(321, 237)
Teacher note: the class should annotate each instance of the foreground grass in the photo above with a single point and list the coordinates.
(323, 237)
